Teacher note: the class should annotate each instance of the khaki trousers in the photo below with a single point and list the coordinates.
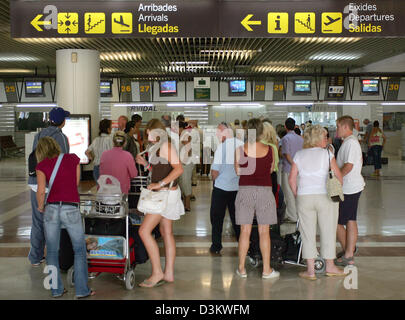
(291, 210)
(319, 210)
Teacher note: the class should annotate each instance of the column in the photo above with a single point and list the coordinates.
(78, 83)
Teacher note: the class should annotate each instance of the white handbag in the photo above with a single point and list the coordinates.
(153, 201)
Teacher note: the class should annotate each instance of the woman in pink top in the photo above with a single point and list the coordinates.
(119, 163)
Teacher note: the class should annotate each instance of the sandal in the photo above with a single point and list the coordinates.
(148, 284)
(308, 277)
(344, 261)
(341, 253)
(92, 293)
(60, 295)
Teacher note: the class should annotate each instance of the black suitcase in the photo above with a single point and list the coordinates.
(66, 254)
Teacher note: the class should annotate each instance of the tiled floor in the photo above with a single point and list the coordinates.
(198, 275)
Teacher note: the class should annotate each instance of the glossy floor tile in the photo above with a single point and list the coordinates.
(200, 275)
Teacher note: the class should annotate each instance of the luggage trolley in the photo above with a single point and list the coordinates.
(297, 260)
(105, 253)
(320, 264)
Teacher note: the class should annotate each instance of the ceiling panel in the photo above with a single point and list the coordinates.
(217, 57)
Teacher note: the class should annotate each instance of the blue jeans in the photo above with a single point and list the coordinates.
(96, 173)
(37, 232)
(55, 217)
(376, 151)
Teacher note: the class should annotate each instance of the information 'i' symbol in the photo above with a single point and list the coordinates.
(278, 22)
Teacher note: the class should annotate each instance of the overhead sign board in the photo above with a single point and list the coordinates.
(202, 88)
(207, 18)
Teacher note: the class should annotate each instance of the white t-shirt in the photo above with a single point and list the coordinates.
(313, 168)
(350, 152)
(100, 144)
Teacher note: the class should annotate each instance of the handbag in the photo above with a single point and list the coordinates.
(333, 186)
(153, 201)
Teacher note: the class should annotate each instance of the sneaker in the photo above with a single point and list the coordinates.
(215, 251)
(274, 274)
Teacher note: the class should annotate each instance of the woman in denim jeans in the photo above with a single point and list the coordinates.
(61, 210)
(376, 143)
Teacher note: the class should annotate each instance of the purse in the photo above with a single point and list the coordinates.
(153, 201)
(333, 186)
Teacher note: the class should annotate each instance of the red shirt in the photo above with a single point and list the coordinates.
(64, 187)
(261, 175)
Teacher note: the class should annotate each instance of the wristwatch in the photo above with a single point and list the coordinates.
(162, 184)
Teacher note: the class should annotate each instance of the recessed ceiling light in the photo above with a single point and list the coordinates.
(17, 58)
(336, 56)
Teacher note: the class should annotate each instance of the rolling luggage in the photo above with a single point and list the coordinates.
(66, 254)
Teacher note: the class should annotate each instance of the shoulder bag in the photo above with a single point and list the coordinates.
(153, 201)
(333, 186)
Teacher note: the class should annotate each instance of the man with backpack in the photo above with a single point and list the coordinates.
(57, 119)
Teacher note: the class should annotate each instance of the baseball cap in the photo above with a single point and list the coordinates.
(58, 114)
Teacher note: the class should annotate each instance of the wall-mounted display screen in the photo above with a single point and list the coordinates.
(237, 87)
(370, 86)
(106, 88)
(302, 86)
(77, 129)
(34, 89)
(168, 88)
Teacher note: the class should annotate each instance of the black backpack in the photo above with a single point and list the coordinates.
(32, 159)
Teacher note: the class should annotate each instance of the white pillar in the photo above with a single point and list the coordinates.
(78, 83)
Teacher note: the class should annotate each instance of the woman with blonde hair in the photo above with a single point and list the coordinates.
(61, 210)
(166, 168)
(311, 166)
(254, 163)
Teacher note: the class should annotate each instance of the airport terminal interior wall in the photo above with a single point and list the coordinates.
(217, 113)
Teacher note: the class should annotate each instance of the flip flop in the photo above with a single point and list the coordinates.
(148, 284)
(92, 293)
(345, 261)
(60, 295)
(332, 274)
(307, 277)
(341, 253)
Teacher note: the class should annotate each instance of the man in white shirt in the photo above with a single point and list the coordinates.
(349, 160)
(226, 185)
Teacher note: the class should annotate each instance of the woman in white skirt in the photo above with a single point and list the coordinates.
(166, 168)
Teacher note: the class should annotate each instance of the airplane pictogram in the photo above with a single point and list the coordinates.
(121, 22)
(331, 20)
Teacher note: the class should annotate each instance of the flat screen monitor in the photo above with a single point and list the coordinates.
(34, 88)
(168, 88)
(370, 86)
(302, 86)
(106, 88)
(77, 129)
(237, 88)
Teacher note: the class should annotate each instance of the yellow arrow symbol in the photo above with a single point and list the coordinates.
(246, 23)
(35, 22)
